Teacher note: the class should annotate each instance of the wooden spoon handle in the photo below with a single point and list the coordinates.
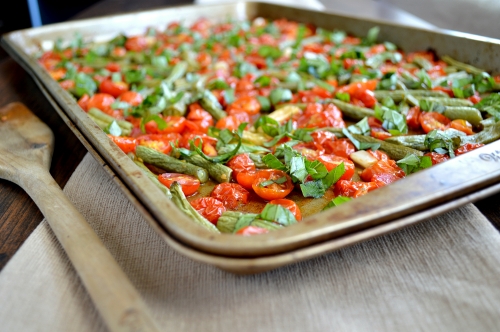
(115, 297)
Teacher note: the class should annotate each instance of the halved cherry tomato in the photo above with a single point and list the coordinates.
(467, 147)
(272, 190)
(175, 124)
(230, 122)
(331, 161)
(189, 184)
(101, 101)
(251, 230)
(379, 155)
(247, 104)
(113, 67)
(462, 125)
(113, 88)
(437, 158)
(200, 117)
(240, 163)
(83, 102)
(290, 205)
(136, 43)
(353, 189)
(379, 133)
(159, 142)
(209, 207)
(413, 117)
(131, 97)
(433, 120)
(446, 90)
(67, 84)
(230, 194)
(126, 144)
(246, 178)
(382, 173)
(320, 116)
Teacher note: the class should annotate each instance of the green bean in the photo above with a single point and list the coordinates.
(170, 164)
(447, 101)
(98, 114)
(228, 220)
(394, 151)
(179, 199)
(399, 95)
(462, 66)
(417, 141)
(352, 111)
(153, 177)
(212, 106)
(218, 172)
(177, 72)
(488, 135)
(473, 115)
(422, 63)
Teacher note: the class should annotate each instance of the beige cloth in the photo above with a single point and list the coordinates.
(441, 275)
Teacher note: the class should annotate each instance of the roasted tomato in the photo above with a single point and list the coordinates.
(131, 97)
(340, 147)
(467, 147)
(126, 144)
(331, 161)
(437, 158)
(113, 88)
(189, 184)
(251, 230)
(353, 189)
(433, 120)
(201, 118)
(382, 173)
(230, 194)
(247, 104)
(209, 207)
(290, 205)
(240, 163)
(136, 43)
(462, 125)
(273, 184)
(175, 124)
(101, 101)
(413, 118)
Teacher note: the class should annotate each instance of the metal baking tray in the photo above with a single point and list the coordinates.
(426, 190)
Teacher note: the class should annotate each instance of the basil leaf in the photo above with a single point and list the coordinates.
(298, 170)
(344, 96)
(413, 163)
(439, 142)
(267, 51)
(371, 37)
(360, 145)
(280, 95)
(279, 214)
(263, 81)
(84, 84)
(313, 189)
(265, 103)
(152, 117)
(334, 175)
(113, 129)
(244, 220)
(218, 84)
(135, 76)
(337, 201)
(316, 169)
(270, 126)
(272, 162)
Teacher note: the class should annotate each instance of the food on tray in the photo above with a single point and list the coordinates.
(254, 120)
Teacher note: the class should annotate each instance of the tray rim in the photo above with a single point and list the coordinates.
(186, 232)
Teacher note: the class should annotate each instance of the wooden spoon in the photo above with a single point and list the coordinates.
(26, 146)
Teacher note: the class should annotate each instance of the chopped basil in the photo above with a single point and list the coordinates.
(439, 142)
(265, 103)
(337, 201)
(279, 214)
(344, 96)
(152, 117)
(222, 158)
(273, 162)
(244, 220)
(84, 84)
(267, 51)
(135, 76)
(371, 37)
(113, 129)
(392, 121)
(280, 95)
(413, 163)
(491, 105)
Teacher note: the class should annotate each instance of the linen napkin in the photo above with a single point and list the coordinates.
(440, 275)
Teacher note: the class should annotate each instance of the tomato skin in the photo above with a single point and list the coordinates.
(382, 173)
(136, 43)
(101, 101)
(131, 97)
(353, 189)
(462, 125)
(126, 144)
(446, 90)
(247, 104)
(200, 117)
(188, 183)
(113, 88)
(290, 205)
(230, 122)
(380, 133)
(320, 116)
(158, 142)
(341, 147)
(209, 207)
(437, 158)
(331, 161)
(240, 163)
(83, 102)
(467, 147)
(230, 194)
(251, 230)
(175, 124)
(67, 84)
(113, 67)
(273, 191)
(246, 178)
(433, 120)
(413, 117)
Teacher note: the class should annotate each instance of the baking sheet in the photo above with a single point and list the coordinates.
(426, 189)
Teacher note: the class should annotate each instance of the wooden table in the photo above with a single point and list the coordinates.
(18, 214)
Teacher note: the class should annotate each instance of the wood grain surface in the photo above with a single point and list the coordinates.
(18, 214)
